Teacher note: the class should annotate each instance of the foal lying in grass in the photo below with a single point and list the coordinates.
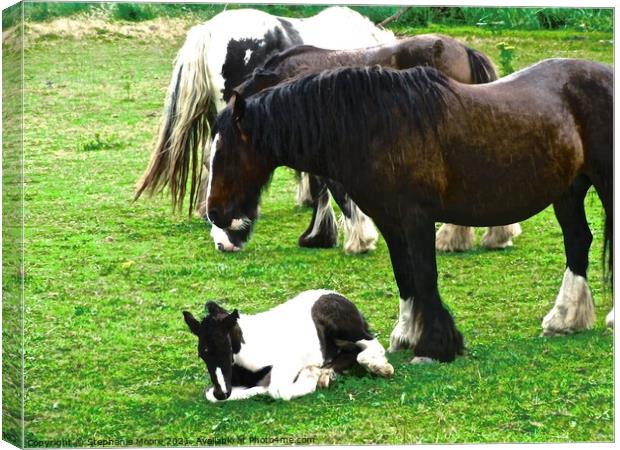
(285, 352)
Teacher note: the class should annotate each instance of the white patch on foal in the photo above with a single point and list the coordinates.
(247, 56)
(574, 308)
(406, 333)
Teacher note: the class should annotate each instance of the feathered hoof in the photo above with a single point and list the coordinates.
(573, 310)
(325, 239)
(497, 238)
(454, 238)
(326, 377)
(609, 320)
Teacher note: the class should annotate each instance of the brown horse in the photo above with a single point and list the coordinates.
(413, 147)
(450, 56)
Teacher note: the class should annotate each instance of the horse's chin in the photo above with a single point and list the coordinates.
(221, 241)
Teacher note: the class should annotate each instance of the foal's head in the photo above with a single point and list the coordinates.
(219, 338)
(237, 171)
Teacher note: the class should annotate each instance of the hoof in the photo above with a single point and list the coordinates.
(609, 320)
(497, 238)
(573, 310)
(360, 233)
(422, 360)
(454, 238)
(326, 377)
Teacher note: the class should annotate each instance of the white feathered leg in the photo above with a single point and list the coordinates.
(500, 237)
(574, 308)
(454, 238)
(360, 235)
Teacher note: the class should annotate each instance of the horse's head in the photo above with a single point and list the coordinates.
(219, 337)
(237, 172)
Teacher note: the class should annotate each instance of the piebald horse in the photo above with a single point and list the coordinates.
(414, 147)
(285, 352)
(450, 56)
(216, 57)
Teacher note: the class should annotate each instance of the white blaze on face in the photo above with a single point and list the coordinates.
(211, 157)
(220, 380)
(221, 241)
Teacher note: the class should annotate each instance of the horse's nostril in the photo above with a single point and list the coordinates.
(220, 246)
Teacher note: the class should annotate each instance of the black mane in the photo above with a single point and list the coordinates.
(355, 109)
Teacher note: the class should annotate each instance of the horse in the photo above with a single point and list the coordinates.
(450, 56)
(285, 352)
(216, 57)
(434, 149)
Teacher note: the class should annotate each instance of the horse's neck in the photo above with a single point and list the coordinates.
(256, 347)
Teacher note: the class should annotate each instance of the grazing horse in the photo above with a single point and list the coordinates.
(216, 57)
(450, 56)
(413, 147)
(285, 352)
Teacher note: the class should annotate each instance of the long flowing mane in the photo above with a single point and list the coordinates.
(346, 108)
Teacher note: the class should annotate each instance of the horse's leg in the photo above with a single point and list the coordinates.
(454, 238)
(424, 323)
(303, 196)
(322, 231)
(360, 235)
(500, 237)
(603, 183)
(574, 308)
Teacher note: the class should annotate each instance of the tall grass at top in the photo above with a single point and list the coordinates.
(585, 19)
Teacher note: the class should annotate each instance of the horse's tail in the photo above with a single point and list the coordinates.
(482, 70)
(184, 128)
(608, 246)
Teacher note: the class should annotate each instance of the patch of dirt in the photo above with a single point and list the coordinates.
(96, 28)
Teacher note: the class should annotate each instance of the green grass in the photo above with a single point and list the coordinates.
(586, 19)
(108, 355)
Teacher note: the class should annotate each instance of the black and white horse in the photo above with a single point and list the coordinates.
(285, 352)
(217, 56)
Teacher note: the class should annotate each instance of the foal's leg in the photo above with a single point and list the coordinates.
(454, 238)
(360, 235)
(500, 237)
(322, 231)
(290, 382)
(372, 358)
(574, 308)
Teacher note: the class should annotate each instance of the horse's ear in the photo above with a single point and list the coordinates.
(231, 320)
(192, 323)
(238, 106)
(438, 47)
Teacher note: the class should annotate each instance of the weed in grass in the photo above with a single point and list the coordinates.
(98, 143)
(506, 54)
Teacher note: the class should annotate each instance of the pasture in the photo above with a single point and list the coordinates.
(108, 355)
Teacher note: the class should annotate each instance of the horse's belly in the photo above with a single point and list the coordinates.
(508, 189)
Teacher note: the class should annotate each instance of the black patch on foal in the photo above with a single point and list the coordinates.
(235, 68)
(338, 320)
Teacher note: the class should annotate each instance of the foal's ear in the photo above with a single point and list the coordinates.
(238, 106)
(231, 320)
(213, 308)
(192, 323)
(438, 47)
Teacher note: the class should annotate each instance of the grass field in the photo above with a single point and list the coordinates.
(108, 355)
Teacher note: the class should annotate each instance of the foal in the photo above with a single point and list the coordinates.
(285, 352)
